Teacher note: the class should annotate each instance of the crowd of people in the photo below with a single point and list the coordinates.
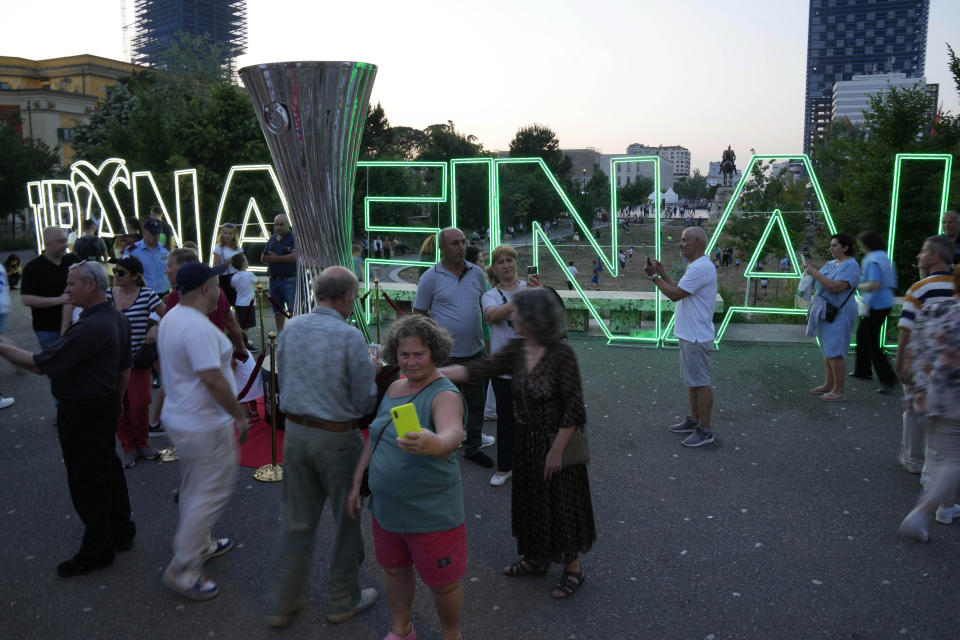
(422, 396)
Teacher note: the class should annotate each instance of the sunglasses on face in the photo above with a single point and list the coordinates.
(120, 272)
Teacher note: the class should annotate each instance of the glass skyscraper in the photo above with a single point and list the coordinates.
(848, 37)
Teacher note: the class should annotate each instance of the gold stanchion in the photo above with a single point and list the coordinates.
(263, 340)
(272, 472)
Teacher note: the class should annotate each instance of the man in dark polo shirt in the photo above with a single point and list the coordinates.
(280, 255)
(89, 367)
(44, 279)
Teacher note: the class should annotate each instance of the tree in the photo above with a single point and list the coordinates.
(693, 188)
(20, 162)
(161, 121)
(595, 194)
(764, 192)
(538, 141)
(635, 192)
(855, 168)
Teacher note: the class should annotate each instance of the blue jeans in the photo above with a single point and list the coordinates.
(284, 292)
(47, 338)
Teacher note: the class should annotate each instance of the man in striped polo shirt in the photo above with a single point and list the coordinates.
(934, 260)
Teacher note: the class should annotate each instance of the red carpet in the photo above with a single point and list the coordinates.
(256, 452)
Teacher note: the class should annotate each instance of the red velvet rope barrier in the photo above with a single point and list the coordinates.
(392, 303)
(276, 305)
(253, 376)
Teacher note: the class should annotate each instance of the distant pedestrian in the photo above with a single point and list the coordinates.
(572, 268)
(280, 256)
(695, 296)
(878, 279)
(44, 280)
(153, 256)
(597, 270)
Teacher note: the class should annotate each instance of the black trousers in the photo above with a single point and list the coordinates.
(475, 396)
(503, 390)
(98, 488)
(869, 351)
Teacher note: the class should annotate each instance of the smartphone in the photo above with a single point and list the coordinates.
(405, 419)
(532, 269)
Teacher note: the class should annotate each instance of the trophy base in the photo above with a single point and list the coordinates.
(269, 473)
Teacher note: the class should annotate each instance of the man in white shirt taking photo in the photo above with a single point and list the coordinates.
(695, 296)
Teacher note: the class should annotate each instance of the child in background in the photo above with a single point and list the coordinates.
(243, 283)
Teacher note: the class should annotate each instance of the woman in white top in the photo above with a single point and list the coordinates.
(222, 254)
(497, 310)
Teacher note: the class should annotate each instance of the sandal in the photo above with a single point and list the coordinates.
(833, 397)
(819, 390)
(569, 582)
(524, 567)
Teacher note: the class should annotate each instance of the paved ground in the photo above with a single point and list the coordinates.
(785, 528)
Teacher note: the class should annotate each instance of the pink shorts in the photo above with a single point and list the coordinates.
(440, 557)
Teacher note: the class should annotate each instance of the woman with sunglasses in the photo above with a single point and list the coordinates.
(137, 302)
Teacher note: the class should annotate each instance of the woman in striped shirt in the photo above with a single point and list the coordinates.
(137, 302)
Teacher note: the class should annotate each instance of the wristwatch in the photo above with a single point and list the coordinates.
(653, 277)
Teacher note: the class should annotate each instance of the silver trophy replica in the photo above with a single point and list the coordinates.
(312, 115)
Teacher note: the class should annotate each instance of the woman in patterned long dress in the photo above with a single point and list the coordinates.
(551, 510)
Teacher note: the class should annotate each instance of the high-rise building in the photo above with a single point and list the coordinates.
(851, 98)
(847, 37)
(222, 22)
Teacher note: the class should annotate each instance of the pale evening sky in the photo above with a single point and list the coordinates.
(604, 73)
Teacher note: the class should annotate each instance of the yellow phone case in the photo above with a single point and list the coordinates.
(405, 419)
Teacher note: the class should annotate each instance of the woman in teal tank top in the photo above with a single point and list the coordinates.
(417, 498)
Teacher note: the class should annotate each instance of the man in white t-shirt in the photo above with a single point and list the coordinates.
(695, 296)
(199, 415)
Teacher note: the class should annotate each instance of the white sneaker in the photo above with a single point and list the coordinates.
(486, 441)
(500, 478)
(946, 516)
(190, 585)
(216, 548)
(5, 402)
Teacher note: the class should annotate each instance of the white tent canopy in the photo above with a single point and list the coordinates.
(670, 197)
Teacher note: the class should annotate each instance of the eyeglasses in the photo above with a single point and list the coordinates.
(120, 272)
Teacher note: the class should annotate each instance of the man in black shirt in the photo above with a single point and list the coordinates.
(44, 279)
(89, 367)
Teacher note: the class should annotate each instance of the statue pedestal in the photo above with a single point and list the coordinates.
(721, 198)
